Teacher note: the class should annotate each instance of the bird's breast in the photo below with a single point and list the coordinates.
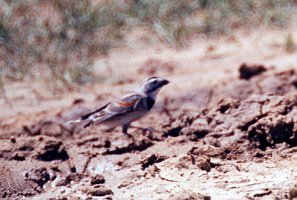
(150, 103)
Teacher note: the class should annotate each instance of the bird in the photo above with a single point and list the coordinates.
(127, 109)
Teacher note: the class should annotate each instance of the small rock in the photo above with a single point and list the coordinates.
(248, 71)
(97, 191)
(293, 193)
(98, 179)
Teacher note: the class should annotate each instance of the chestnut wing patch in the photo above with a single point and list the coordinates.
(125, 104)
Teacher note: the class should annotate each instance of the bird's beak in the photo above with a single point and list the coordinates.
(165, 82)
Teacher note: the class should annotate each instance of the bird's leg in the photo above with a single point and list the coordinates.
(125, 130)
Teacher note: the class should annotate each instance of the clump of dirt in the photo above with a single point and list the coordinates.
(17, 181)
(98, 179)
(273, 129)
(206, 150)
(202, 162)
(248, 71)
(293, 193)
(263, 119)
(41, 148)
(188, 195)
(39, 175)
(195, 160)
(51, 150)
(154, 158)
(98, 190)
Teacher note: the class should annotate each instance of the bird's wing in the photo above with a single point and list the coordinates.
(86, 116)
(125, 104)
(113, 109)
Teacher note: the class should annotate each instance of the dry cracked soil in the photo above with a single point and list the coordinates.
(240, 143)
(235, 139)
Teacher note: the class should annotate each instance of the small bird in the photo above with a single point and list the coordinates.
(129, 108)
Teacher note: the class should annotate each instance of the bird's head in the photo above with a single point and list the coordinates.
(152, 86)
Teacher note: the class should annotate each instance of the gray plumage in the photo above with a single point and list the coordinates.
(127, 109)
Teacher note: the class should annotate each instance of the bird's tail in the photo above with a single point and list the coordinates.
(89, 118)
(73, 122)
(80, 120)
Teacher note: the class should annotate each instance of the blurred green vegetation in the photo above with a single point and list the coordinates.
(57, 41)
(290, 43)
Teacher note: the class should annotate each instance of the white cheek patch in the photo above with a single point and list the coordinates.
(154, 93)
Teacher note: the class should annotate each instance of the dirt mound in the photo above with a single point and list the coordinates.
(41, 148)
(270, 82)
(17, 180)
(264, 120)
(271, 130)
(261, 110)
(198, 98)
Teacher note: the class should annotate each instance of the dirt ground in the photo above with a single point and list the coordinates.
(224, 128)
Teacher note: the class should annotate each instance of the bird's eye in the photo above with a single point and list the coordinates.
(155, 82)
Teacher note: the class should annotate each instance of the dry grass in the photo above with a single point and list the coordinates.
(290, 43)
(58, 39)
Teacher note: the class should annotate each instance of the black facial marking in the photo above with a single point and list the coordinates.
(150, 103)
